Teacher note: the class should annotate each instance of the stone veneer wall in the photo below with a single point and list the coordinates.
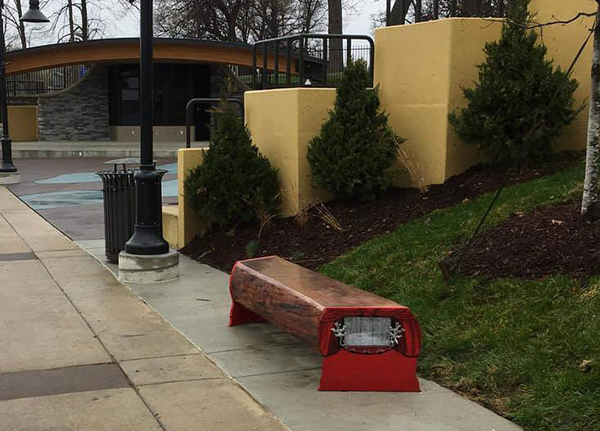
(79, 113)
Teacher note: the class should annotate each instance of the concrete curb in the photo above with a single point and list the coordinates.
(98, 154)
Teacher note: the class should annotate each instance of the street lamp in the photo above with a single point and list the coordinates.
(34, 14)
(147, 239)
(9, 173)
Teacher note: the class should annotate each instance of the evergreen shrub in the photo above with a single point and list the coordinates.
(234, 183)
(521, 102)
(355, 152)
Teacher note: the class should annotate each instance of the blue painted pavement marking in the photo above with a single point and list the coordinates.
(91, 177)
(45, 201)
(81, 177)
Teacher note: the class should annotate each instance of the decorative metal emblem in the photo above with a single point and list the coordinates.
(396, 332)
(339, 331)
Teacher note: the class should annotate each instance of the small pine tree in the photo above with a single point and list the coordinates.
(354, 154)
(521, 103)
(234, 183)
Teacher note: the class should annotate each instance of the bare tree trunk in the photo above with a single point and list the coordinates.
(22, 34)
(71, 21)
(590, 205)
(85, 29)
(336, 57)
(399, 11)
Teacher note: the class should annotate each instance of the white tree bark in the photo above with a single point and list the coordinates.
(590, 205)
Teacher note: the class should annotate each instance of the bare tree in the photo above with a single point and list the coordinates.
(15, 29)
(335, 27)
(78, 20)
(85, 25)
(311, 16)
(237, 20)
(405, 11)
(590, 204)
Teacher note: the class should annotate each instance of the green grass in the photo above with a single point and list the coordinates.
(512, 345)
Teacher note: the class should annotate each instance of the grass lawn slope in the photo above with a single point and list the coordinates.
(514, 345)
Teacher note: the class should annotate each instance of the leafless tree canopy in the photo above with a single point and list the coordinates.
(238, 20)
(16, 37)
(406, 11)
(77, 20)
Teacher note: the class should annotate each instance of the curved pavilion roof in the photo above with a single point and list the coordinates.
(128, 50)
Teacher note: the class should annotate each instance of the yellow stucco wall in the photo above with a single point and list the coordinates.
(469, 37)
(190, 224)
(23, 123)
(420, 87)
(563, 43)
(170, 223)
(282, 123)
(421, 69)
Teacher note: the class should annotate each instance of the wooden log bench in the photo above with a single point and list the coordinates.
(369, 343)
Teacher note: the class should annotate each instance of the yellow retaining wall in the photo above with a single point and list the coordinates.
(190, 223)
(420, 69)
(170, 223)
(282, 123)
(563, 42)
(23, 121)
(180, 223)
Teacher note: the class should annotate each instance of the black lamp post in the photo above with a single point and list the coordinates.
(33, 15)
(147, 237)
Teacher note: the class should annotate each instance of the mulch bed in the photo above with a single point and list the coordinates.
(311, 241)
(547, 241)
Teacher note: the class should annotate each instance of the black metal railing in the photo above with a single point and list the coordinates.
(25, 87)
(401, 12)
(316, 60)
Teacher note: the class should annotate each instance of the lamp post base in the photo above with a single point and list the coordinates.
(147, 236)
(146, 269)
(8, 178)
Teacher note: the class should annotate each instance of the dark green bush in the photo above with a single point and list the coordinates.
(354, 154)
(235, 183)
(520, 102)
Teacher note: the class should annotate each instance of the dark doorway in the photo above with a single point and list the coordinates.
(174, 85)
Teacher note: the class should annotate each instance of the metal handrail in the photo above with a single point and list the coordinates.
(302, 59)
(200, 101)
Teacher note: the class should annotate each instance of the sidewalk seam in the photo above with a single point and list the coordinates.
(206, 355)
(114, 360)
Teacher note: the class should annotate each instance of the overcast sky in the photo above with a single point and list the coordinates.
(119, 24)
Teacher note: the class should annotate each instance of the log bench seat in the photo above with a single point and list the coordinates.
(368, 343)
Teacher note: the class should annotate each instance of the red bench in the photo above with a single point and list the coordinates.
(369, 343)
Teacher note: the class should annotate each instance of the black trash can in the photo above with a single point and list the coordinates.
(119, 207)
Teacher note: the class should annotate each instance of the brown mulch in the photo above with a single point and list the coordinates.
(547, 241)
(311, 241)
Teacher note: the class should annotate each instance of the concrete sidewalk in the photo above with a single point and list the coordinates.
(84, 352)
(283, 373)
(80, 351)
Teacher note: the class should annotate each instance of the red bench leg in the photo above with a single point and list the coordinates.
(240, 315)
(385, 372)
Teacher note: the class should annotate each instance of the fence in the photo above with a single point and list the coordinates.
(24, 88)
(409, 11)
(316, 60)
